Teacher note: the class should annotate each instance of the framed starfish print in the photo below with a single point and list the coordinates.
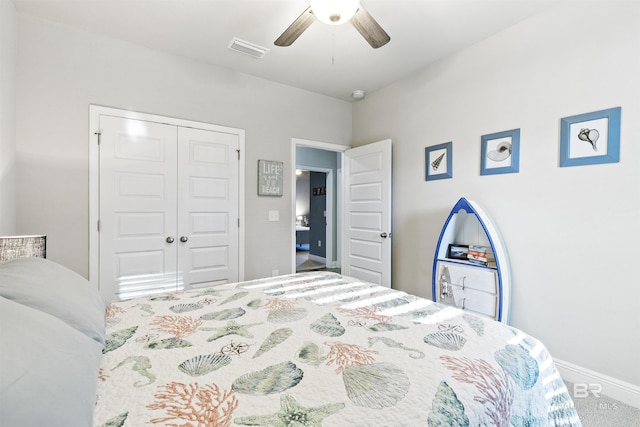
(591, 138)
(439, 161)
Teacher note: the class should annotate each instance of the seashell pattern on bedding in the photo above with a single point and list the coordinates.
(276, 337)
(376, 386)
(117, 339)
(228, 314)
(446, 340)
(272, 379)
(204, 364)
(311, 354)
(519, 364)
(183, 308)
(319, 349)
(328, 326)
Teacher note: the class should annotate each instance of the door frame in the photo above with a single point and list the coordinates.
(95, 111)
(298, 142)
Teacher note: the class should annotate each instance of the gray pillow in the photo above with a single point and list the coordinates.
(49, 370)
(57, 290)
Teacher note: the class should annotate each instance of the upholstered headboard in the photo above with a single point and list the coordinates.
(12, 247)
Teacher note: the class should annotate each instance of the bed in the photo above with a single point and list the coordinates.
(308, 349)
(302, 236)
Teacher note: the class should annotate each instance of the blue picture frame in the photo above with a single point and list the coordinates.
(500, 152)
(591, 138)
(438, 161)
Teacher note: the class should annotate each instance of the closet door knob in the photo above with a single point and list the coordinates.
(383, 235)
(169, 239)
(184, 239)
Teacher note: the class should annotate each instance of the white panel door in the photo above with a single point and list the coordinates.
(138, 207)
(169, 207)
(208, 207)
(367, 211)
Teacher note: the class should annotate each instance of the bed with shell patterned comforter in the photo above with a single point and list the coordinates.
(320, 349)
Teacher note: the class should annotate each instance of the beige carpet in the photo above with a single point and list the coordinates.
(602, 411)
(309, 264)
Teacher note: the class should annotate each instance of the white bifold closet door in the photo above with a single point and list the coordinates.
(168, 207)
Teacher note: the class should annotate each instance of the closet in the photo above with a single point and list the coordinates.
(168, 206)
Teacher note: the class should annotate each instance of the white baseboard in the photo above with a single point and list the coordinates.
(317, 258)
(611, 387)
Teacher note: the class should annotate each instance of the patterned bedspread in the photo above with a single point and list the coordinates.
(319, 349)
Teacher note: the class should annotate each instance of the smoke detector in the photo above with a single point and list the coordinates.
(357, 94)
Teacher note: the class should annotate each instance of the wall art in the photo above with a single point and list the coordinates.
(270, 177)
(500, 152)
(591, 138)
(438, 161)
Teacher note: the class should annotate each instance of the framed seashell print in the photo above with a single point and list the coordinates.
(591, 138)
(438, 161)
(500, 152)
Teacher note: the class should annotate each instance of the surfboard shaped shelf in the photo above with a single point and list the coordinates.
(471, 267)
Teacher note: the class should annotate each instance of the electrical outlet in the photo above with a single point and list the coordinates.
(274, 215)
(274, 273)
(319, 243)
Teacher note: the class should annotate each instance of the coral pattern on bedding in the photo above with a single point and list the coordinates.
(320, 349)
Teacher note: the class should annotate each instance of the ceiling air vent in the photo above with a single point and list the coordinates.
(247, 48)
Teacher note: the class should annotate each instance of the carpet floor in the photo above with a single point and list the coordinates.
(303, 263)
(603, 411)
(309, 265)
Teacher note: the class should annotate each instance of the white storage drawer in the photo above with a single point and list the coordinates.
(478, 278)
(480, 302)
(468, 287)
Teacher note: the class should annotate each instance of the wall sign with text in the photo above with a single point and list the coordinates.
(270, 178)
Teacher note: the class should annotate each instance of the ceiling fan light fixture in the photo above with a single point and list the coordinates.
(334, 12)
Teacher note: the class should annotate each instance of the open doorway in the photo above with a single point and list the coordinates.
(314, 237)
(317, 205)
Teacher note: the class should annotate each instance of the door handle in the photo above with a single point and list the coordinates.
(183, 239)
(384, 235)
(169, 239)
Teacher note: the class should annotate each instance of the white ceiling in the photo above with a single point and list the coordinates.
(331, 60)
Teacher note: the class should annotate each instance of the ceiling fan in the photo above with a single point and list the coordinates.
(336, 12)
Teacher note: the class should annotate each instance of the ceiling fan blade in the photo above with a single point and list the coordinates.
(369, 28)
(296, 28)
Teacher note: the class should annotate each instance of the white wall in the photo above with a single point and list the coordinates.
(572, 232)
(62, 70)
(8, 20)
